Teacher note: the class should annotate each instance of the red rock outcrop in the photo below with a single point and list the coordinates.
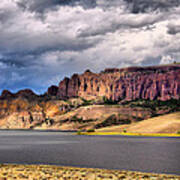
(25, 93)
(52, 91)
(6, 94)
(155, 82)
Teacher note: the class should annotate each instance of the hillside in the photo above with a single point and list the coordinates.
(169, 123)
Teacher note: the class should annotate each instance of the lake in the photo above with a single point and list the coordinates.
(146, 154)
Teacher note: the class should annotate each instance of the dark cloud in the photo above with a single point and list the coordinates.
(42, 5)
(136, 6)
(4, 16)
(142, 6)
(126, 22)
(17, 61)
(36, 50)
(173, 29)
(151, 61)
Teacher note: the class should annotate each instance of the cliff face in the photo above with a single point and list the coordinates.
(22, 112)
(161, 82)
(158, 82)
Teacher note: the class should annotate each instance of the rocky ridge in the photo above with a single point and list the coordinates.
(159, 82)
(127, 84)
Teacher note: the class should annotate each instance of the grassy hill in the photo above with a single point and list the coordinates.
(169, 123)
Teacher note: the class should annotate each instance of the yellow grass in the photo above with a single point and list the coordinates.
(161, 126)
(132, 134)
(48, 172)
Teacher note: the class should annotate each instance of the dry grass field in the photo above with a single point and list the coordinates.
(45, 172)
(169, 123)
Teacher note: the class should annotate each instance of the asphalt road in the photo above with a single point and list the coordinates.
(158, 155)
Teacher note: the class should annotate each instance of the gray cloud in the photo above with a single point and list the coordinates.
(23, 33)
(44, 40)
(142, 6)
(135, 6)
(42, 5)
(124, 22)
(173, 29)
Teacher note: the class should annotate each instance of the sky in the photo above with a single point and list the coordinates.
(42, 41)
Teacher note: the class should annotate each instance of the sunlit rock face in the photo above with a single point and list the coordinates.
(161, 82)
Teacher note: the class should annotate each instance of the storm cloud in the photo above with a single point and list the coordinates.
(43, 41)
(146, 6)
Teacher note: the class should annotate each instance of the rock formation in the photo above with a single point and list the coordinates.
(155, 82)
(26, 93)
(159, 82)
(52, 91)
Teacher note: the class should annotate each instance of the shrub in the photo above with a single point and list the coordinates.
(109, 101)
(79, 132)
(124, 131)
(90, 130)
(113, 120)
(76, 119)
(86, 102)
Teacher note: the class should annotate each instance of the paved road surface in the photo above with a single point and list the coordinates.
(160, 155)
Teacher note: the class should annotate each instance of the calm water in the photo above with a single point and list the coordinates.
(160, 155)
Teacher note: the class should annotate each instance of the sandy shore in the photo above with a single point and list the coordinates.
(46, 172)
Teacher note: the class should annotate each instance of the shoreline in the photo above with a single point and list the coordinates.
(40, 130)
(35, 172)
(163, 135)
